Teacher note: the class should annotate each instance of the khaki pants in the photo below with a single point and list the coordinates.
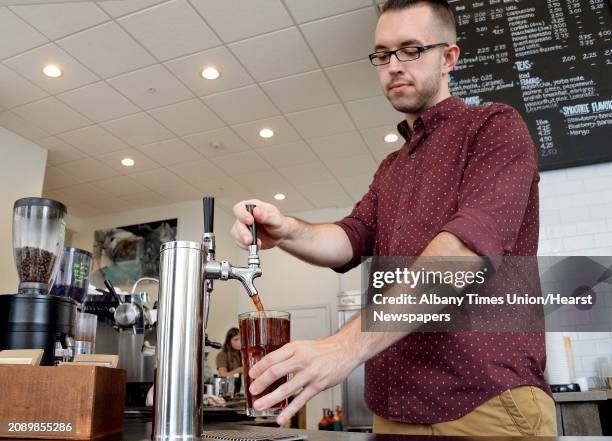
(523, 411)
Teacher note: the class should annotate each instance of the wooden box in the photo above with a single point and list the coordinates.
(62, 402)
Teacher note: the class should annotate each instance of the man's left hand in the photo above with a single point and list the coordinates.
(315, 364)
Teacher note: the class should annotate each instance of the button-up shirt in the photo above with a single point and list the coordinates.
(472, 172)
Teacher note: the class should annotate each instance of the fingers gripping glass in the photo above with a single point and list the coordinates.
(408, 53)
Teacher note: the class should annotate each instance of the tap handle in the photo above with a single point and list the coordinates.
(209, 213)
(253, 226)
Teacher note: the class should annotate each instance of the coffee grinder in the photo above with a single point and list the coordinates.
(34, 319)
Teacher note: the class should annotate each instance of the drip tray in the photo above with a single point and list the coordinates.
(252, 435)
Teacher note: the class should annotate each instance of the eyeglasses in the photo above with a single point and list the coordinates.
(408, 53)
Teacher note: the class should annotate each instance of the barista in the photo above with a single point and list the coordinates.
(229, 361)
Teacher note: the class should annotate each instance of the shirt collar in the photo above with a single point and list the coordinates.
(433, 117)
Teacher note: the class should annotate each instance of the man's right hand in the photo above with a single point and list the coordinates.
(272, 225)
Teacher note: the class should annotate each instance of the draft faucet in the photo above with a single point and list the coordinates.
(224, 270)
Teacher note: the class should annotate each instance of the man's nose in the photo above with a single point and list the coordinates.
(395, 65)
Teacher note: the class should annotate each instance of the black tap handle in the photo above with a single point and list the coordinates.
(209, 213)
(253, 226)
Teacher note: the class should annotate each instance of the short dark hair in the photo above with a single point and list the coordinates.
(442, 10)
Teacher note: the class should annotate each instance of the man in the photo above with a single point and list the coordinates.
(464, 184)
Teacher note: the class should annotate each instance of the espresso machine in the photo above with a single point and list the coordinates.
(187, 272)
(33, 319)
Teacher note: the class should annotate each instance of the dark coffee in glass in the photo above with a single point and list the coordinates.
(262, 332)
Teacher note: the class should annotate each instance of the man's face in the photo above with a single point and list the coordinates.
(410, 86)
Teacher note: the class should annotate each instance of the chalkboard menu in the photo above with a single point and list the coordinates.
(552, 61)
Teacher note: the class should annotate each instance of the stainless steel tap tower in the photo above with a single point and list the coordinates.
(187, 271)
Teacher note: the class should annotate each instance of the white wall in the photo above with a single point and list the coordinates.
(22, 172)
(576, 220)
(224, 304)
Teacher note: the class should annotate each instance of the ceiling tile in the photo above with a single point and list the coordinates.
(357, 31)
(295, 202)
(286, 155)
(119, 186)
(117, 8)
(141, 161)
(99, 102)
(266, 183)
(362, 165)
(182, 193)
(300, 92)
(238, 163)
(158, 178)
(241, 105)
(197, 173)
(324, 194)
(20, 126)
(170, 152)
(56, 178)
(17, 35)
(373, 112)
(138, 129)
(247, 17)
(323, 121)
(303, 174)
(375, 138)
(355, 80)
(16, 90)
(356, 186)
(80, 193)
(31, 64)
(145, 199)
(219, 142)
(189, 71)
(283, 132)
(111, 205)
(59, 151)
(151, 87)
(304, 11)
(58, 20)
(170, 30)
(107, 50)
(339, 146)
(275, 55)
(87, 170)
(187, 117)
(52, 115)
(93, 140)
(226, 192)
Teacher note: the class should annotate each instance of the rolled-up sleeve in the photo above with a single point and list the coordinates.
(496, 186)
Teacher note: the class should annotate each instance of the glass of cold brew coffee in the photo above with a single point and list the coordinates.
(262, 332)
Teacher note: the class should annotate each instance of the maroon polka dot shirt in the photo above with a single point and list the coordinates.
(470, 171)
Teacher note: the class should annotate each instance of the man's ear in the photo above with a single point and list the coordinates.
(450, 58)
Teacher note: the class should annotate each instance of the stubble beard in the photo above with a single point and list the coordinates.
(417, 103)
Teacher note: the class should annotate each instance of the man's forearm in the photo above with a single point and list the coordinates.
(319, 244)
(365, 345)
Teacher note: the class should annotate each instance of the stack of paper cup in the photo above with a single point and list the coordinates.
(557, 366)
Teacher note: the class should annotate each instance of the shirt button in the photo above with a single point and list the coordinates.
(398, 227)
(412, 156)
(406, 189)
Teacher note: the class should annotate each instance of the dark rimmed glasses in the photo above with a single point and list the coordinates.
(407, 53)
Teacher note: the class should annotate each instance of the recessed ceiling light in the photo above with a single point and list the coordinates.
(210, 73)
(280, 197)
(128, 162)
(52, 71)
(266, 133)
(391, 137)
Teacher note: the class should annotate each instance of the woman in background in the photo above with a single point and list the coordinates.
(229, 361)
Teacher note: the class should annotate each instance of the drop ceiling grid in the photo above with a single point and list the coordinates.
(295, 25)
